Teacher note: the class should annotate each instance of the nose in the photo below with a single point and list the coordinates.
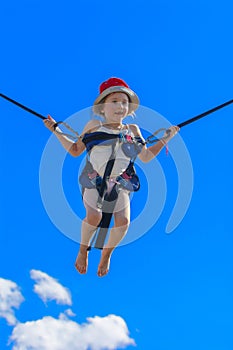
(120, 105)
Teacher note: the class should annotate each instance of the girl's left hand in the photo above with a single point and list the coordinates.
(171, 132)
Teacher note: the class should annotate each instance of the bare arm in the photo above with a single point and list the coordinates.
(73, 148)
(148, 153)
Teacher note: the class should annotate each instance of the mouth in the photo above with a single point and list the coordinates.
(119, 113)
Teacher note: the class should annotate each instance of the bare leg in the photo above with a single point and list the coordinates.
(117, 233)
(89, 226)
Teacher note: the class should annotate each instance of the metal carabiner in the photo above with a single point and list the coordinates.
(153, 138)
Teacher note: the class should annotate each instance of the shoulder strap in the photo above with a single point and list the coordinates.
(94, 138)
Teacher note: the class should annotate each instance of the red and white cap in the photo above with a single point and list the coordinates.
(116, 85)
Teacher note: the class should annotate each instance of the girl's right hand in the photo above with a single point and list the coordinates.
(49, 123)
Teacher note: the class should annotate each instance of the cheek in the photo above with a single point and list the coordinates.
(108, 108)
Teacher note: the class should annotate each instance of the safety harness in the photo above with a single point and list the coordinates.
(89, 178)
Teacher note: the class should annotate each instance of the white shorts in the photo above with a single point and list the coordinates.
(90, 198)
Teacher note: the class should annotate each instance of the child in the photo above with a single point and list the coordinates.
(115, 101)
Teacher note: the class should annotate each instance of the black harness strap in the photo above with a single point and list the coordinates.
(107, 213)
(109, 204)
(106, 202)
(106, 176)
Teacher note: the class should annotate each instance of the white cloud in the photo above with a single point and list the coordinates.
(49, 288)
(99, 333)
(49, 333)
(10, 298)
(69, 312)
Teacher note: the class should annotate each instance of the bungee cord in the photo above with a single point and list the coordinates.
(73, 137)
(149, 140)
(22, 106)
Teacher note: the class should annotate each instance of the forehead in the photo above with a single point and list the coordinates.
(118, 96)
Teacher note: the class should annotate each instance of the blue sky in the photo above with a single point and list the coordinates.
(164, 291)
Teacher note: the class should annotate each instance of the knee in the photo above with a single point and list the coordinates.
(93, 218)
(122, 221)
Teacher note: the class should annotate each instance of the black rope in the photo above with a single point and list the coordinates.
(22, 106)
(76, 135)
(202, 115)
(150, 139)
(153, 139)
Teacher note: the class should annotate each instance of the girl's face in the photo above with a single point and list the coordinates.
(116, 107)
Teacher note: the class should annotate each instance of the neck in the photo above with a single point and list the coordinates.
(114, 125)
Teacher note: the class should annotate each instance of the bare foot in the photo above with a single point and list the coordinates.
(104, 264)
(82, 262)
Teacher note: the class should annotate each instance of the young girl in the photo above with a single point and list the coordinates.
(115, 101)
